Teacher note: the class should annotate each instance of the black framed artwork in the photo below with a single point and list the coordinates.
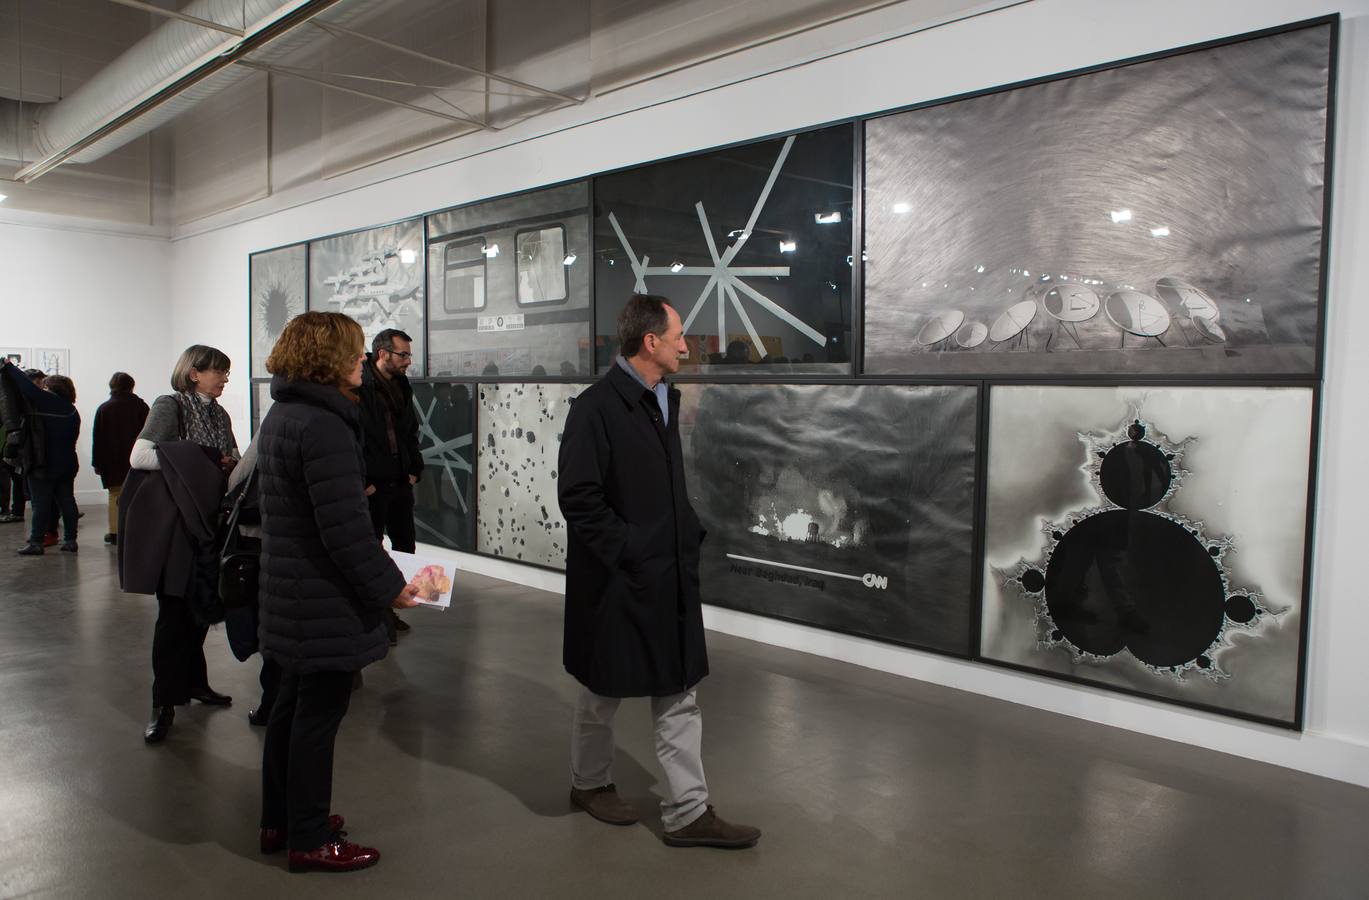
(444, 498)
(376, 277)
(1159, 218)
(1152, 539)
(278, 283)
(508, 283)
(751, 244)
(847, 507)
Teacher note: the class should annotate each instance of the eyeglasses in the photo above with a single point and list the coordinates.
(400, 355)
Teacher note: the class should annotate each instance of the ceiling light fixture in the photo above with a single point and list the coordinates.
(1121, 215)
(1162, 231)
(788, 246)
(490, 250)
(569, 260)
(407, 256)
(901, 208)
(676, 266)
(829, 218)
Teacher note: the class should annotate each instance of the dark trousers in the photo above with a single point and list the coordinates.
(178, 668)
(297, 760)
(392, 513)
(13, 491)
(270, 685)
(52, 496)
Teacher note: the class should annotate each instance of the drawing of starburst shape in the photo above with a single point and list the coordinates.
(725, 279)
(444, 454)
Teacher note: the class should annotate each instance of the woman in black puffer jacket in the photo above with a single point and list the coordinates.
(325, 585)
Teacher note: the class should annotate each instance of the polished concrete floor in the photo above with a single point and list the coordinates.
(453, 762)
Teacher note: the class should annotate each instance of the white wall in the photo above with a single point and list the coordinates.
(1026, 41)
(103, 296)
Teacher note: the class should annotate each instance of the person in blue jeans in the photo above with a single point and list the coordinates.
(51, 487)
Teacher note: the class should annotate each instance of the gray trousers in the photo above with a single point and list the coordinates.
(679, 743)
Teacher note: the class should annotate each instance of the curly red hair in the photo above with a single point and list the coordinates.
(318, 346)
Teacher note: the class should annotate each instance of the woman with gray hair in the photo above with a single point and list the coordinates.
(193, 414)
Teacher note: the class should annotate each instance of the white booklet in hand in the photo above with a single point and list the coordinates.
(430, 576)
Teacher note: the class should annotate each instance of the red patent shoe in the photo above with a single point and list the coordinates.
(335, 856)
(273, 839)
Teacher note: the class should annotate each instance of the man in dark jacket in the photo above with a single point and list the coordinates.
(390, 439)
(51, 485)
(634, 624)
(118, 422)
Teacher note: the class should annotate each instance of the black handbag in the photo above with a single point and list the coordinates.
(240, 561)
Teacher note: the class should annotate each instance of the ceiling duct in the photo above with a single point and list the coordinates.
(178, 65)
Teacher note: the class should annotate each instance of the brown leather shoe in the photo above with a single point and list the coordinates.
(604, 804)
(273, 839)
(337, 855)
(710, 831)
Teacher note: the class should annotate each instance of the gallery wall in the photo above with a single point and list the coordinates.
(104, 297)
(986, 52)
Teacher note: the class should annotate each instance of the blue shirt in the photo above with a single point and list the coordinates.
(661, 391)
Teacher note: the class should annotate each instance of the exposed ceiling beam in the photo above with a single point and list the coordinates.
(173, 14)
(307, 76)
(338, 29)
(289, 16)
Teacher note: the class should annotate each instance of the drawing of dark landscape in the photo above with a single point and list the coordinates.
(846, 507)
(444, 505)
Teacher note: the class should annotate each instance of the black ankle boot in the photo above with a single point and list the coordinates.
(160, 724)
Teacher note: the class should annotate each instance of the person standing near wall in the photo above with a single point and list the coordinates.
(325, 585)
(118, 422)
(192, 413)
(634, 622)
(390, 438)
(52, 485)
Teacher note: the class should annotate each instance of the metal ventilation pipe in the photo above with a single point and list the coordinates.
(158, 62)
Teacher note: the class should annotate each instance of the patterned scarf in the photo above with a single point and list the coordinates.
(205, 423)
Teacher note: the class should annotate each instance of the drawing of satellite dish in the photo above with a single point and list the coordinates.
(971, 334)
(1182, 295)
(1014, 321)
(1137, 313)
(940, 327)
(1209, 329)
(1071, 303)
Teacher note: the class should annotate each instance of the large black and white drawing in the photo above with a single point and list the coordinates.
(444, 502)
(261, 401)
(1151, 539)
(520, 428)
(1159, 218)
(752, 244)
(278, 285)
(847, 507)
(376, 277)
(508, 284)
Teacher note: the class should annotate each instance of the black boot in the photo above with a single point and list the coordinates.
(160, 724)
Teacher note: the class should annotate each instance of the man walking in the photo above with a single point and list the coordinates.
(390, 430)
(634, 624)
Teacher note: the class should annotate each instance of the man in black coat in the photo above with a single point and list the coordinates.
(634, 624)
(118, 422)
(390, 440)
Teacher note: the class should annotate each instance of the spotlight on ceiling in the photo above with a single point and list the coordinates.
(1121, 215)
(676, 266)
(407, 256)
(490, 250)
(1162, 231)
(569, 260)
(788, 246)
(828, 218)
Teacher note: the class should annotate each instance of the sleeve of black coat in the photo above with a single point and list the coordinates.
(333, 476)
(584, 462)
